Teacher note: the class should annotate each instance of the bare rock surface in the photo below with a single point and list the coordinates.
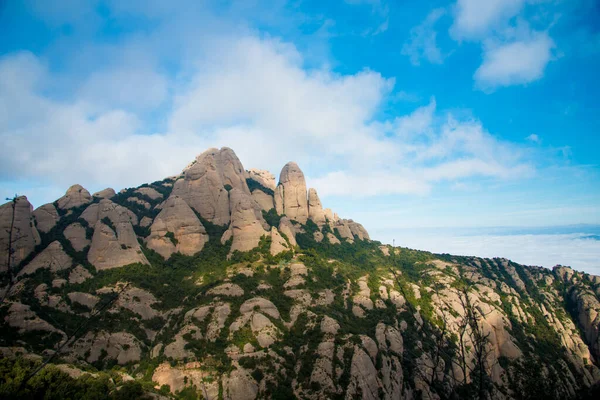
(52, 257)
(315, 208)
(226, 289)
(120, 346)
(178, 219)
(76, 196)
(265, 201)
(278, 243)
(247, 224)
(23, 237)
(112, 249)
(107, 193)
(263, 177)
(79, 275)
(293, 193)
(77, 235)
(46, 217)
(203, 184)
(150, 192)
(286, 228)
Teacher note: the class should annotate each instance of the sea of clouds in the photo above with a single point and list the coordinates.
(575, 246)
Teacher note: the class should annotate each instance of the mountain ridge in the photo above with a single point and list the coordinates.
(220, 283)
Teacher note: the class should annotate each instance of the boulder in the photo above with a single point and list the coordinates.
(292, 187)
(76, 234)
(76, 196)
(24, 236)
(107, 193)
(179, 220)
(46, 217)
(315, 208)
(204, 182)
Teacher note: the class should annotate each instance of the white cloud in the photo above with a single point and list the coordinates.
(475, 19)
(422, 43)
(514, 63)
(251, 93)
(533, 138)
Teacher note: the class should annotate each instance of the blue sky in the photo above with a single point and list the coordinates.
(402, 114)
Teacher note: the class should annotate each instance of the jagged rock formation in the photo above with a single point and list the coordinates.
(315, 208)
(17, 231)
(107, 193)
(76, 196)
(203, 186)
(247, 224)
(290, 196)
(263, 177)
(307, 307)
(187, 234)
(45, 217)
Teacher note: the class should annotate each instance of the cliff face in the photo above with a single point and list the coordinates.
(222, 283)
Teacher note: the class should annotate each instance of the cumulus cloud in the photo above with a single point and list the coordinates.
(514, 63)
(475, 19)
(513, 52)
(239, 89)
(533, 138)
(423, 40)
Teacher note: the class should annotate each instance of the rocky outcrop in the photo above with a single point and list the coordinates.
(344, 230)
(79, 275)
(247, 224)
(315, 208)
(150, 192)
(110, 248)
(107, 193)
(107, 209)
(120, 346)
(17, 230)
(357, 230)
(263, 177)
(286, 228)
(176, 229)
(76, 196)
(265, 200)
(290, 198)
(52, 257)
(77, 235)
(205, 182)
(588, 317)
(46, 217)
(239, 385)
(278, 243)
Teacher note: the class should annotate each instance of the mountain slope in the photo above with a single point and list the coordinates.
(221, 284)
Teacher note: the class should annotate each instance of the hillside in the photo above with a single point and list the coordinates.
(220, 283)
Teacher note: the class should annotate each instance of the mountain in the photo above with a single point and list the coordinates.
(219, 283)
